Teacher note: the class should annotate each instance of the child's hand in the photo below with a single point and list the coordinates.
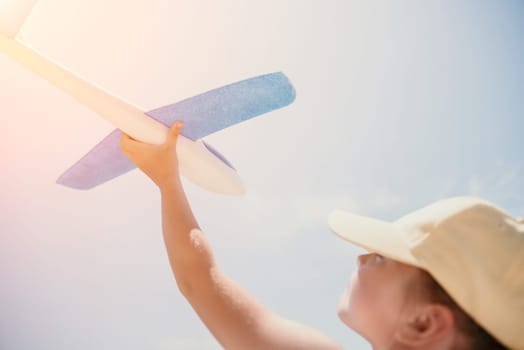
(158, 162)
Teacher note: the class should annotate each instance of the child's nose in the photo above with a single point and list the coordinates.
(362, 259)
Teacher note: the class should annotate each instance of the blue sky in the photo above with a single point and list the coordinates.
(398, 104)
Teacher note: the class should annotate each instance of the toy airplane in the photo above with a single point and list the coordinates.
(202, 115)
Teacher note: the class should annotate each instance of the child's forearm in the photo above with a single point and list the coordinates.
(189, 253)
(234, 316)
(231, 314)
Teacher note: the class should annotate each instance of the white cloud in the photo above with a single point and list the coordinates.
(500, 182)
(475, 186)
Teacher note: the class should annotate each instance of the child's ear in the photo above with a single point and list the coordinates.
(426, 325)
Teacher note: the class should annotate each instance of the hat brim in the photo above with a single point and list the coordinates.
(381, 237)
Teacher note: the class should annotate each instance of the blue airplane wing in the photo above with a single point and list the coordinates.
(203, 114)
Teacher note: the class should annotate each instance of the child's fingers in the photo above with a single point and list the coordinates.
(127, 142)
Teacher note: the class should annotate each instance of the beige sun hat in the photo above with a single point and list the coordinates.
(472, 248)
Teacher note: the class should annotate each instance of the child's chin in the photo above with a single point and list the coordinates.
(343, 311)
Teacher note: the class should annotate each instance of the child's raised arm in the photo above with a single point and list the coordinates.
(234, 316)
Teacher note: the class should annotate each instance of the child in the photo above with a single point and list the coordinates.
(474, 250)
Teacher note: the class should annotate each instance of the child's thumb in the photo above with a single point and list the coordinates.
(174, 131)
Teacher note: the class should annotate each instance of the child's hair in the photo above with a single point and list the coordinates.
(476, 336)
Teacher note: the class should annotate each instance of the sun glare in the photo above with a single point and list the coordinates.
(13, 14)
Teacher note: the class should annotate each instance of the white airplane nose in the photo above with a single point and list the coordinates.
(207, 169)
